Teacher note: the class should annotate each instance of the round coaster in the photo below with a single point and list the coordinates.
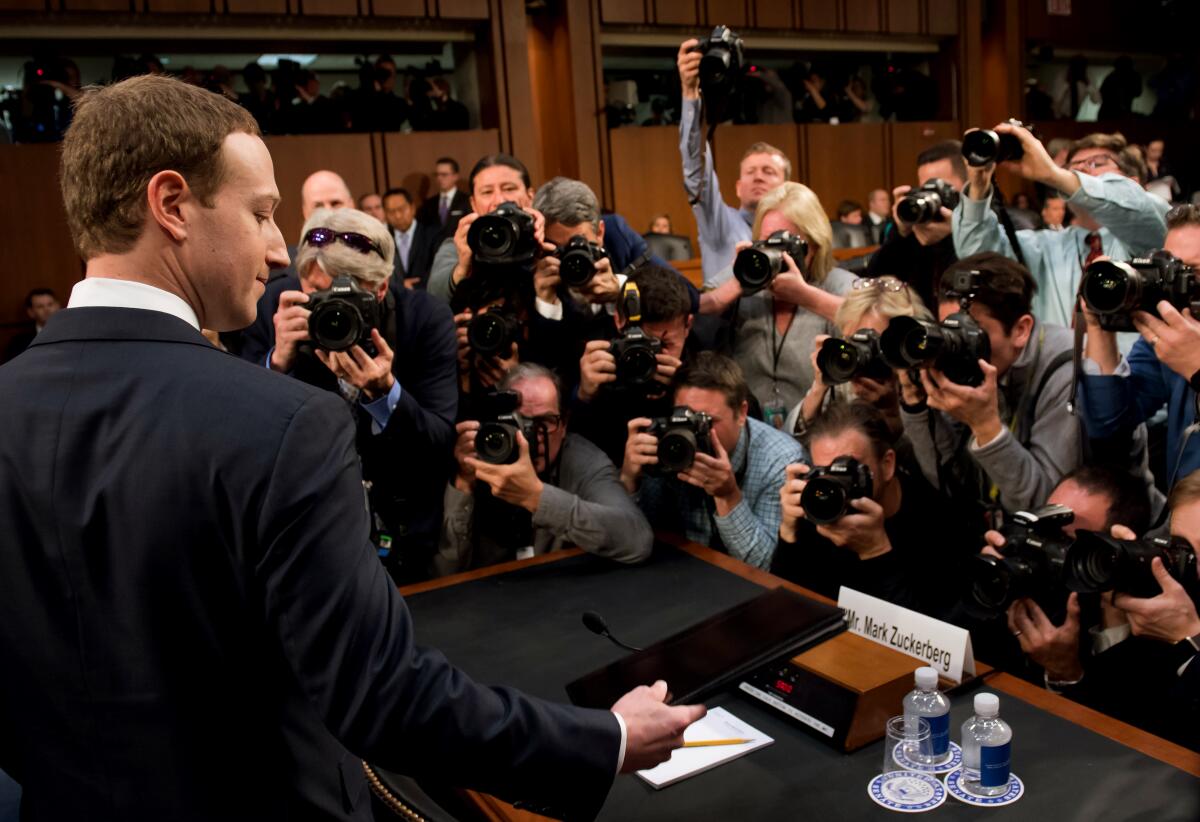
(1016, 789)
(906, 791)
(953, 760)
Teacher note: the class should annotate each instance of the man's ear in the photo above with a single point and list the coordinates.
(743, 411)
(382, 291)
(887, 467)
(600, 234)
(687, 324)
(166, 195)
(1022, 331)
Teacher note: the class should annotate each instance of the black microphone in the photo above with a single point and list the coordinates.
(596, 624)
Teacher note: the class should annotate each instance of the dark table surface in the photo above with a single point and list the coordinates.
(523, 628)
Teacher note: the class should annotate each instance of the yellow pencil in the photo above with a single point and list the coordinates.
(704, 743)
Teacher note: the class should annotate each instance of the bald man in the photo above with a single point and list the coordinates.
(323, 189)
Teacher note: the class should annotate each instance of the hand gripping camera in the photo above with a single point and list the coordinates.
(954, 346)
(924, 204)
(634, 350)
(859, 356)
(1114, 290)
(342, 316)
(1035, 552)
(830, 488)
(721, 69)
(984, 146)
(1097, 563)
(756, 266)
(503, 237)
(578, 260)
(680, 437)
(496, 439)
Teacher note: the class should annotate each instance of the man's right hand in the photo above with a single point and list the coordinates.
(641, 449)
(1054, 647)
(652, 728)
(596, 367)
(462, 269)
(994, 543)
(912, 393)
(464, 448)
(789, 500)
(291, 328)
(689, 69)
(979, 181)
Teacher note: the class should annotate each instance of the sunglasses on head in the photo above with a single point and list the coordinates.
(320, 237)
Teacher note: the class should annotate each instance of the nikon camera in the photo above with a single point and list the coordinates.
(496, 439)
(680, 436)
(1114, 290)
(1097, 563)
(954, 347)
(503, 237)
(342, 316)
(924, 204)
(634, 350)
(860, 356)
(830, 488)
(578, 260)
(757, 265)
(1035, 553)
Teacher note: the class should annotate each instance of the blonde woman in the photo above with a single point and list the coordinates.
(871, 304)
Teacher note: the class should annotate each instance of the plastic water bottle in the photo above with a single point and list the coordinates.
(927, 701)
(986, 748)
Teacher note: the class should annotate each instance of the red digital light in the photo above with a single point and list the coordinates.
(785, 687)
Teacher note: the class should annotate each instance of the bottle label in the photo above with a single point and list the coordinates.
(939, 734)
(994, 764)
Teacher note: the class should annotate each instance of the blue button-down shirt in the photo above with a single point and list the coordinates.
(750, 531)
(720, 226)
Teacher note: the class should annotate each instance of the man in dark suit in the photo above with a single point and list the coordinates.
(450, 205)
(193, 623)
(40, 305)
(415, 242)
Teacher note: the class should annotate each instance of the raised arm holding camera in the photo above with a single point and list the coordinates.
(545, 487)
(709, 471)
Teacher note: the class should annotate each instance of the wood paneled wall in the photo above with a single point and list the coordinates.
(456, 10)
(935, 17)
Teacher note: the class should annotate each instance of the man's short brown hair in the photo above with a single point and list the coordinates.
(716, 372)
(1183, 215)
(767, 148)
(1185, 492)
(1127, 157)
(124, 134)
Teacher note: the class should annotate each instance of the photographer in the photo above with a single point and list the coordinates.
(918, 253)
(1006, 442)
(560, 490)
(728, 498)
(899, 541)
(762, 169)
(402, 396)
(604, 404)
(1114, 215)
(1117, 393)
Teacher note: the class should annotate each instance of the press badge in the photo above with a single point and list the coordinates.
(775, 412)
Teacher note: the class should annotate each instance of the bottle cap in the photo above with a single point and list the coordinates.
(927, 678)
(987, 705)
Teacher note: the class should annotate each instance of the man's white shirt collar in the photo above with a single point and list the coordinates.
(105, 292)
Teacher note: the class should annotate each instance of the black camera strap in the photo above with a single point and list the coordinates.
(1006, 223)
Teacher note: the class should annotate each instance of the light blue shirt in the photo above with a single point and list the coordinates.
(1132, 223)
(720, 226)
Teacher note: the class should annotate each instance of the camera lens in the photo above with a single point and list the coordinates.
(637, 366)
(495, 238)
(577, 269)
(488, 334)
(823, 500)
(979, 147)
(838, 361)
(753, 269)
(911, 209)
(714, 66)
(496, 443)
(1092, 563)
(1110, 287)
(334, 325)
(676, 451)
(990, 583)
(907, 342)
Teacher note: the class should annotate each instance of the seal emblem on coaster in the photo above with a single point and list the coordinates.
(953, 760)
(1016, 789)
(906, 791)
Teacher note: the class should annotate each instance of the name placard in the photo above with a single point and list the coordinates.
(939, 644)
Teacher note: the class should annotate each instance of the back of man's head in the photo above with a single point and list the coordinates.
(1129, 499)
(949, 151)
(663, 295)
(1005, 289)
(714, 372)
(568, 202)
(107, 162)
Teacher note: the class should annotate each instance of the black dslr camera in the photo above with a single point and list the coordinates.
(954, 347)
(342, 316)
(829, 489)
(1097, 563)
(924, 204)
(578, 261)
(860, 356)
(503, 237)
(721, 68)
(984, 146)
(680, 437)
(1035, 552)
(757, 265)
(1114, 290)
(492, 334)
(634, 350)
(496, 439)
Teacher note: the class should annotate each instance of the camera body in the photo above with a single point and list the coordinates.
(859, 356)
(1114, 290)
(954, 346)
(496, 439)
(635, 352)
(1097, 563)
(503, 237)
(924, 204)
(1035, 554)
(680, 437)
(343, 316)
(755, 267)
(984, 146)
(722, 65)
(493, 334)
(830, 488)
(578, 260)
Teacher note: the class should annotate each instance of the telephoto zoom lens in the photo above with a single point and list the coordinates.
(841, 360)
(676, 451)
(754, 268)
(335, 326)
(1098, 563)
(496, 443)
(984, 146)
(1112, 287)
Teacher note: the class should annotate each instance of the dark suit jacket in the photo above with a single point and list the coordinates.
(193, 623)
(427, 212)
(426, 239)
(18, 344)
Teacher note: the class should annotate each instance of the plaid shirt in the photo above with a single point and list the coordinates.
(751, 530)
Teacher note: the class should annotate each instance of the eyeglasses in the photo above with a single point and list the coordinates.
(889, 284)
(550, 422)
(321, 237)
(1091, 163)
